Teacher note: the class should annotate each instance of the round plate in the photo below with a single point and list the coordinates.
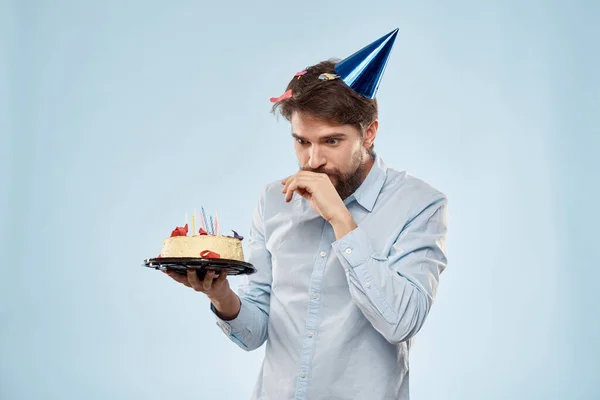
(201, 265)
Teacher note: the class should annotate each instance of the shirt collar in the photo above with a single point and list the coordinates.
(369, 190)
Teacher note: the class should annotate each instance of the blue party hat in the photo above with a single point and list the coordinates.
(363, 70)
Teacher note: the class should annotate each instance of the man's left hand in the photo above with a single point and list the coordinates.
(318, 189)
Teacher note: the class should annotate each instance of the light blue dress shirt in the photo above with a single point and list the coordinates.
(338, 316)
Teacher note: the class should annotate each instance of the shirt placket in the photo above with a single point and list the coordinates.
(312, 318)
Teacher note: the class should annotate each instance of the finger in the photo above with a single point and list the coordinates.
(287, 191)
(313, 176)
(208, 280)
(287, 184)
(283, 181)
(195, 282)
(309, 174)
(289, 194)
(222, 278)
(300, 185)
(178, 277)
(304, 193)
(289, 188)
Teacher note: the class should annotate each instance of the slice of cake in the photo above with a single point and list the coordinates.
(202, 245)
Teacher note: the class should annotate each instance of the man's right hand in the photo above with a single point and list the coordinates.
(218, 291)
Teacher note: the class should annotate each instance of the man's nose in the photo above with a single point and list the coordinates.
(316, 159)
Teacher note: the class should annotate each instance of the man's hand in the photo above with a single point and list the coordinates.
(217, 290)
(323, 197)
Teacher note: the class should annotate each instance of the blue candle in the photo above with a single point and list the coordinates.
(212, 229)
(204, 219)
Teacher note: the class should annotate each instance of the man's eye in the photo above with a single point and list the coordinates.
(332, 141)
(301, 141)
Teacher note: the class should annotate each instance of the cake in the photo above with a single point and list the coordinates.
(202, 245)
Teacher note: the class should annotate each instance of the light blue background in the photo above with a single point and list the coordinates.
(123, 116)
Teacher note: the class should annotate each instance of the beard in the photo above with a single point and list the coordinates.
(345, 183)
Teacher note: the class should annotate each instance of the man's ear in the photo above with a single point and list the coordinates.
(370, 134)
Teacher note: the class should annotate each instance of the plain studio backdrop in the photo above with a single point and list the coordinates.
(118, 118)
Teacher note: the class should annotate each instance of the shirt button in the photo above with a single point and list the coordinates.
(323, 254)
(315, 295)
(310, 334)
(303, 374)
(348, 250)
(368, 284)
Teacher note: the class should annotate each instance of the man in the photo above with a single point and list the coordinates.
(348, 251)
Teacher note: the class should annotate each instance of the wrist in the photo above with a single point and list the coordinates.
(223, 299)
(227, 306)
(343, 224)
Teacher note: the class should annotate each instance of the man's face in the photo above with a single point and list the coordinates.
(335, 150)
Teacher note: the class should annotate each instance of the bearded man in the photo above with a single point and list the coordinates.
(348, 251)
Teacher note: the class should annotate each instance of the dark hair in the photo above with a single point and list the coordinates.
(328, 100)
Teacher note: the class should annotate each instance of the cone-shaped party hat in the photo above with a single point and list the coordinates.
(363, 70)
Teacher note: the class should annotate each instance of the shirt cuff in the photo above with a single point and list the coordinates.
(355, 248)
(239, 327)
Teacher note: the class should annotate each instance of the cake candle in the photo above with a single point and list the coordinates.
(204, 220)
(217, 223)
(194, 223)
(212, 229)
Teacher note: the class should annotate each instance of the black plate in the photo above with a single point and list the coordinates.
(201, 265)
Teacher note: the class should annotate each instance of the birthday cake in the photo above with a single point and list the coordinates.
(206, 243)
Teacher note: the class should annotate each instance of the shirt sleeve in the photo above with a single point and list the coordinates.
(249, 329)
(395, 291)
